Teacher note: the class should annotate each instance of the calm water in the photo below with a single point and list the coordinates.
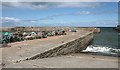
(105, 43)
(107, 37)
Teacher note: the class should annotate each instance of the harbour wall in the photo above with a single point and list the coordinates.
(73, 46)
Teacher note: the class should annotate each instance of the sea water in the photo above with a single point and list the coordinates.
(105, 43)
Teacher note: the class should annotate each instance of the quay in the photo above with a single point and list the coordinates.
(49, 53)
(46, 47)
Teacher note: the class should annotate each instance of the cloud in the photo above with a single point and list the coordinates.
(66, 14)
(48, 5)
(79, 4)
(30, 5)
(79, 13)
(12, 22)
(0, 6)
(7, 21)
(60, 0)
(109, 22)
(101, 23)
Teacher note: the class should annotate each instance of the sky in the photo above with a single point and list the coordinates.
(78, 14)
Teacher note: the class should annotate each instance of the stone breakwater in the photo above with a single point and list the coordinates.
(73, 46)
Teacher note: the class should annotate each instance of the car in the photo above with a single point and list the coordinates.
(73, 30)
(29, 37)
(49, 33)
(61, 32)
(39, 35)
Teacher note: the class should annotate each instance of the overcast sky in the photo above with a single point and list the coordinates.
(80, 14)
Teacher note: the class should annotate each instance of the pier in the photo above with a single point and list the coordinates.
(47, 47)
(55, 52)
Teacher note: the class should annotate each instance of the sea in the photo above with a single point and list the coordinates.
(105, 43)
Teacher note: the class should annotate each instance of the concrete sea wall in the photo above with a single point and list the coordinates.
(73, 46)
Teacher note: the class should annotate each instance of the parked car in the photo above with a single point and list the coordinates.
(33, 35)
(44, 34)
(29, 37)
(17, 36)
(49, 33)
(73, 30)
(39, 35)
(24, 34)
(61, 32)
